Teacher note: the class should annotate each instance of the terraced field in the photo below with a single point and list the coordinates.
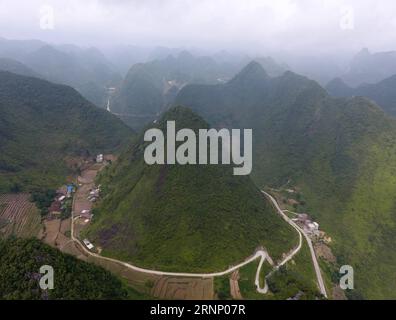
(172, 288)
(18, 216)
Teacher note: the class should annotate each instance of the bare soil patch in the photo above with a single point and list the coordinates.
(323, 251)
(51, 231)
(234, 286)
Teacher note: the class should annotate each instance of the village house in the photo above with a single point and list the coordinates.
(94, 194)
(86, 214)
(70, 190)
(99, 158)
(306, 223)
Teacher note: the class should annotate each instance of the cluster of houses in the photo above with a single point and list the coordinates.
(87, 215)
(59, 203)
(100, 158)
(311, 227)
(306, 223)
(94, 194)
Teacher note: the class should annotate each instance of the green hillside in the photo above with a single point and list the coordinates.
(339, 153)
(140, 93)
(20, 262)
(41, 124)
(183, 218)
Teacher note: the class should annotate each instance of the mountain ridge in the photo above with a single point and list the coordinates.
(49, 122)
(326, 148)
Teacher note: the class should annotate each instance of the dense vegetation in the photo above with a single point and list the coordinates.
(222, 287)
(295, 279)
(43, 199)
(339, 153)
(41, 124)
(20, 262)
(183, 218)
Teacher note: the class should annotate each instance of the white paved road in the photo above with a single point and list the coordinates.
(301, 231)
(260, 254)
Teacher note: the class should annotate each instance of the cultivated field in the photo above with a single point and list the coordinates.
(175, 288)
(18, 216)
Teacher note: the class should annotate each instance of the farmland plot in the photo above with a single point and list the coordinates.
(18, 216)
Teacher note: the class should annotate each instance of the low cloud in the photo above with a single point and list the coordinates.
(253, 25)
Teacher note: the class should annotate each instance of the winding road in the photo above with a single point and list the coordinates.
(319, 278)
(261, 254)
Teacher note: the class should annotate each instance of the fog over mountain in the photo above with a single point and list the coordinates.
(255, 26)
(310, 85)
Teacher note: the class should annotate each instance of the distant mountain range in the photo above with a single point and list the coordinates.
(41, 125)
(369, 68)
(336, 148)
(339, 153)
(150, 87)
(383, 93)
(86, 70)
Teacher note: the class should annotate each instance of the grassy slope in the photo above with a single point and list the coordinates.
(184, 218)
(340, 153)
(42, 123)
(298, 275)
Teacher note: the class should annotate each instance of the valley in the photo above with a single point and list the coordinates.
(65, 235)
(163, 267)
(228, 151)
(176, 281)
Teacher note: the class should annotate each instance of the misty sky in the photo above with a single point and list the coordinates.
(249, 25)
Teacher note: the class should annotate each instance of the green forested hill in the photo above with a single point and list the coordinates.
(141, 92)
(183, 218)
(42, 123)
(145, 88)
(339, 153)
(20, 262)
